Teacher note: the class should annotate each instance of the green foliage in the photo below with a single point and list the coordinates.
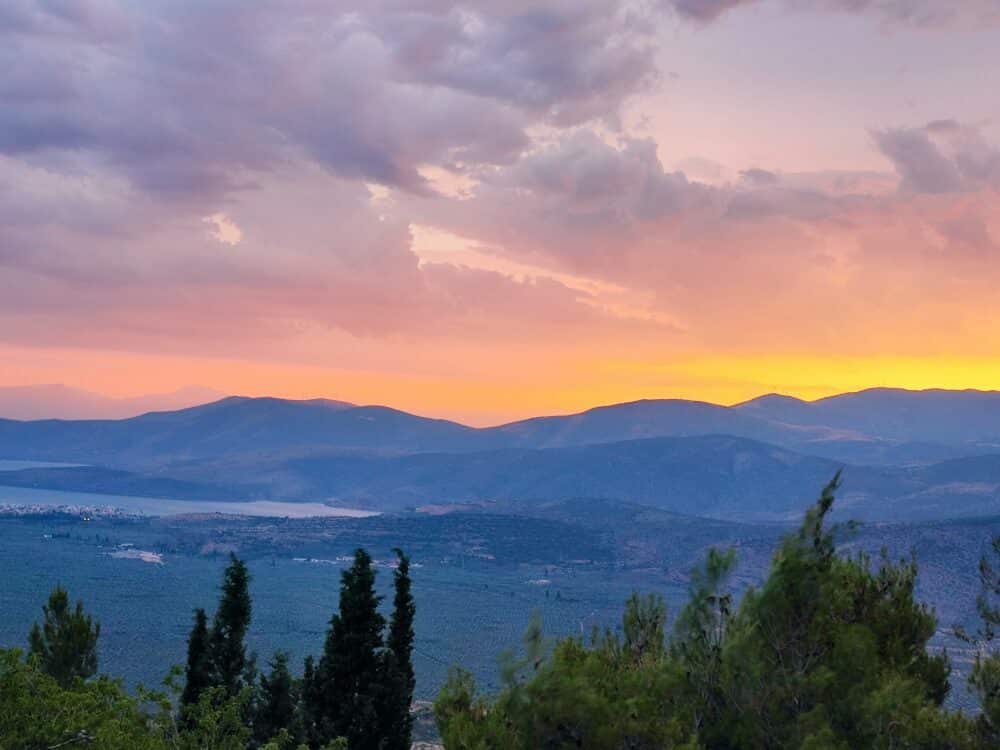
(65, 644)
(37, 712)
(618, 693)
(216, 656)
(215, 722)
(699, 636)
(277, 711)
(398, 679)
(985, 677)
(830, 653)
(232, 619)
(198, 672)
(357, 698)
(823, 641)
(345, 688)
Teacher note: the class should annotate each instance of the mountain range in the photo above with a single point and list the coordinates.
(906, 454)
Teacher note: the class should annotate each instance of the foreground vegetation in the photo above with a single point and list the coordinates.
(829, 653)
(357, 695)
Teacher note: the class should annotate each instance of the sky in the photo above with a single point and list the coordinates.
(486, 211)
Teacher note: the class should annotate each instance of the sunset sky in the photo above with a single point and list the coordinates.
(489, 210)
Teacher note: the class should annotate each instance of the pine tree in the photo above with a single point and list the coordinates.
(226, 643)
(398, 679)
(829, 653)
(346, 693)
(198, 672)
(700, 635)
(66, 643)
(985, 676)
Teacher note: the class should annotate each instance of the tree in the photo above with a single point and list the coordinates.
(345, 689)
(985, 676)
(311, 702)
(276, 709)
(216, 721)
(198, 672)
(398, 680)
(699, 636)
(830, 653)
(617, 693)
(227, 649)
(37, 711)
(643, 627)
(66, 642)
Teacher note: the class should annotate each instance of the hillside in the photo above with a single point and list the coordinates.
(936, 416)
(231, 426)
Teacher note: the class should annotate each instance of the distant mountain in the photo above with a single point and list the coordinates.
(879, 427)
(650, 418)
(849, 428)
(232, 426)
(58, 401)
(268, 426)
(931, 416)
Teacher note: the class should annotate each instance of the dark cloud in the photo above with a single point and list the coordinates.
(942, 157)
(759, 177)
(914, 13)
(593, 186)
(943, 127)
(921, 166)
(182, 96)
(85, 19)
(919, 13)
(706, 10)
(611, 210)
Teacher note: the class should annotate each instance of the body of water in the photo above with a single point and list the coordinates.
(17, 465)
(154, 506)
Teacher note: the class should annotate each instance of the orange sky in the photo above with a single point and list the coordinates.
(508, 396)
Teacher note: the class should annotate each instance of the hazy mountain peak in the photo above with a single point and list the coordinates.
(770, 400)
(60, 401)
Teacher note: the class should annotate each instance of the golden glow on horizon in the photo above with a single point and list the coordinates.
(505, 396)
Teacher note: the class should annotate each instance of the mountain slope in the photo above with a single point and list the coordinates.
(716, 476)
(930, 416)
(649, 418)
(233, 425)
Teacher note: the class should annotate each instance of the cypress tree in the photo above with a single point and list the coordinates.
(311, 701)
(226, 643)
(66, 643)
(278, 699)
(347, 690)
(198, 672)
(398, 678)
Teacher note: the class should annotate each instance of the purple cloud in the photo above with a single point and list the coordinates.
(916, 13)
(183, 97)
(759, 177)
(942, 157)
(706, 10)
